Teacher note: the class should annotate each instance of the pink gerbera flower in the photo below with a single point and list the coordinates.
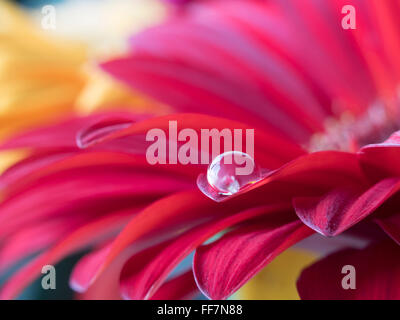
(322, 101)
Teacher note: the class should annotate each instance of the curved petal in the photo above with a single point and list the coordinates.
(313, 174)
(381, 160)
(79, 239)
(25, 174)
(225, 265)
(81, 187)
(62, 134)
(145, 272)
(41, 235)
(271, 150)
(256, 49)
(179, 288)
(177, 210)
(376, 275)
(342, 208)
(391, 225)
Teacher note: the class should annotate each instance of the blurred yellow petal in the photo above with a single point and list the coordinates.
(278, 280)
(40, 76)
(43, 76)
(8, 158)
(103, 92)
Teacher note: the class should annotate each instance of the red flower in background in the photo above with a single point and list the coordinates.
(318, 96)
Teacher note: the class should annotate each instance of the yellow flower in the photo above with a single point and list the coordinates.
(103, 92)
(40, 78)
(43, 76)
(278, 280)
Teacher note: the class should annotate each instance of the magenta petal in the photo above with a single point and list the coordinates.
(179, 288)
(30, 166)
(225, 265)
(391, 225)
(80, 279)
(79, 187)
(85, 236)
(213, 194)
(382, 159)
(63, 134)
(145, 272)
(377, 275)
(41, 235)
(340, 209)
(163, 215)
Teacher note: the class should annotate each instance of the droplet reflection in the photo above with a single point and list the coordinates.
(232, 171)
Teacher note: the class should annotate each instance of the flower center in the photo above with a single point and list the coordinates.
(349, 133)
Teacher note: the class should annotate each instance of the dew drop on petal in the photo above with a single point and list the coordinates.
(232, 171)
(99, 131)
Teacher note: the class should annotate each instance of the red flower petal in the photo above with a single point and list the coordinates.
(62, 135)
(163, 215)
(81, 187)
(30, 165)
(319, 171)
(106, 287)
(80, 280)
(342, 208)
(190, 89)
(309, 174)
(225, 265)
(381, 160)
(271, 150)
(25, 174)
(377, 275)
(391, 225)
(41, 235)
(81, 238)
(145, 272)
(220, 30)
(179, 288)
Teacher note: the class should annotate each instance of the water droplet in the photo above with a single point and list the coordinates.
(231, 171)
(99, 131)
(225, 179)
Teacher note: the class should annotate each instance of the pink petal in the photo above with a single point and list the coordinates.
(81, 187)
(79, 279)
(381, 160)
(199, 89)
(163, 215)
(166, 216)
(342, 208)
(272, 150)
(24, 174)
(321, 170)
(304, 176)
(41, 235)
(63, 134)
(81, 238)
(179, 288)
(29, 166)
(145, 272)
(106, 287)
(391, 225)
(377, 275)
(225, 265)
